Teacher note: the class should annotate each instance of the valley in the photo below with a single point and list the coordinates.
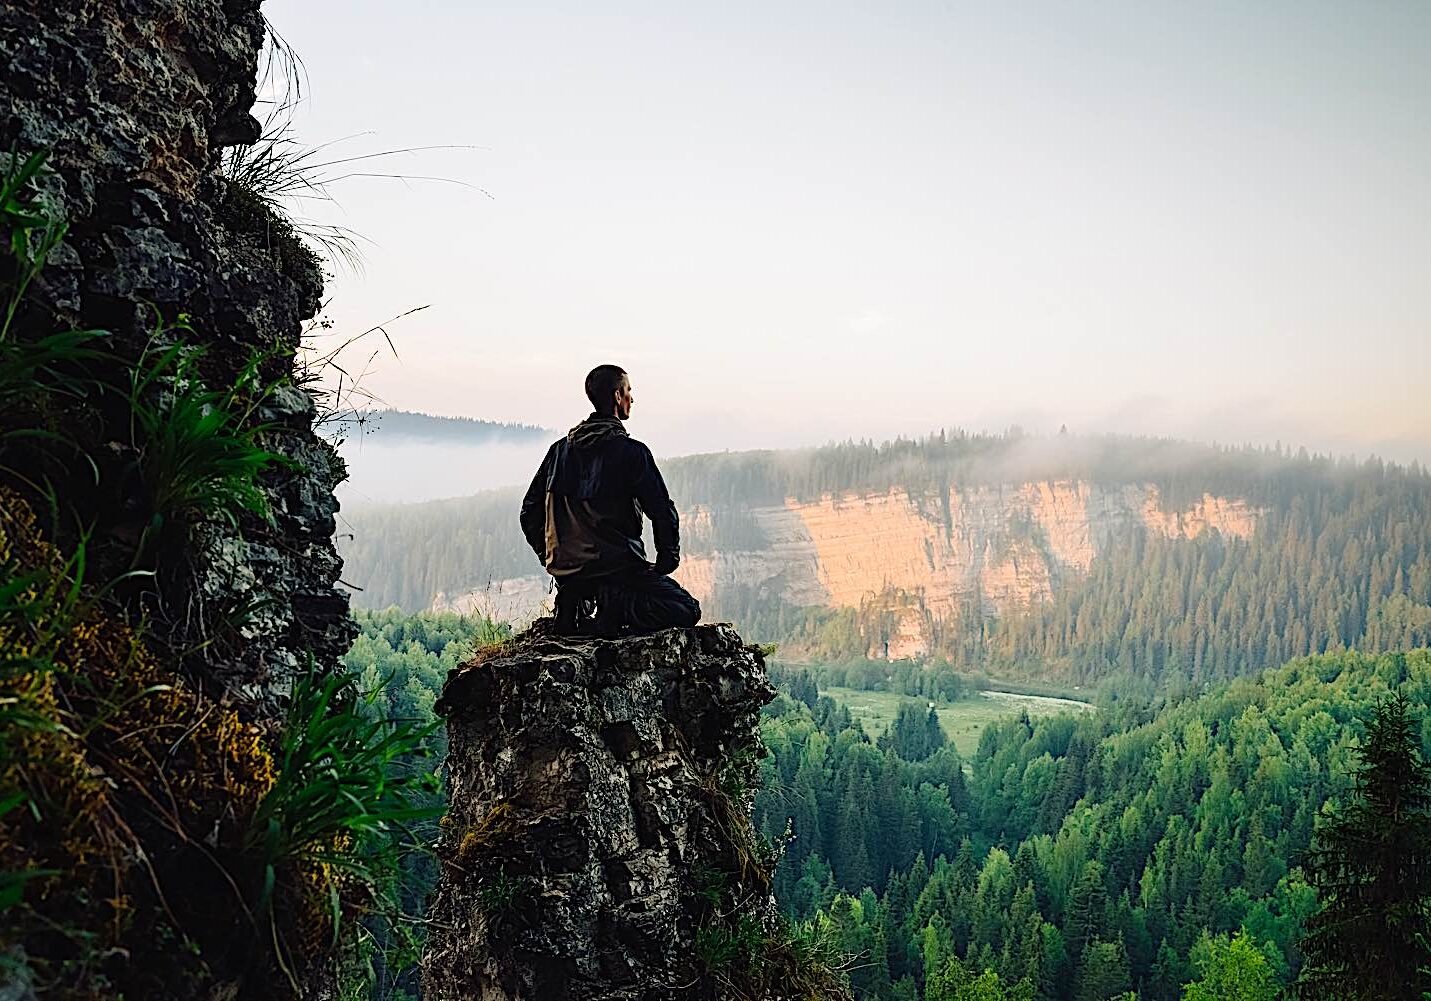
(963, 721)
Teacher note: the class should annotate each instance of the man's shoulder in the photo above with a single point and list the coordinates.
(636, 447)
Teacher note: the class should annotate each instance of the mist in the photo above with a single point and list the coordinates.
(399, 470)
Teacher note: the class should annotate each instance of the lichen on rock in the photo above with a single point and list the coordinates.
(599, 803)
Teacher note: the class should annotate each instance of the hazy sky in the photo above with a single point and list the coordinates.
(794, 222)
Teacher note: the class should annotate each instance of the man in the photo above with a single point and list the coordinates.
(582, 517)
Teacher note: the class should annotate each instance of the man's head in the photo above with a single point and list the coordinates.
(609, 390)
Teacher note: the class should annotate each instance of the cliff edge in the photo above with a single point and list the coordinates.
(598, 843)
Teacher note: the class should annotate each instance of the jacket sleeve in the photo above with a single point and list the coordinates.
(656, 502)
(534, 508)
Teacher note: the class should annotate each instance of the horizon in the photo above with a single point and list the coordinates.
(415, 469)
(794, 224)
(1278, 446)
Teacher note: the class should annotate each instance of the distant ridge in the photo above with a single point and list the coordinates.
(390, 424)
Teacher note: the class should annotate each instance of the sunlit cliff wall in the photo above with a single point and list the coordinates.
(988, 547)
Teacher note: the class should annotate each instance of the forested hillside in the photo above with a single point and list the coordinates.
(1120, 849)
(399, 663)
(404, 555)
(1314, 554)
(1089, 855)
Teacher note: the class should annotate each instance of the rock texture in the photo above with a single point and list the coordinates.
(590, 789)
(134, 99)
(131, 101)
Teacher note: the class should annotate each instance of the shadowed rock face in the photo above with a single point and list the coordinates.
(133, 100)
(581, 781)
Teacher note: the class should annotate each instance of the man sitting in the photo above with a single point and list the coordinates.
(582, 517)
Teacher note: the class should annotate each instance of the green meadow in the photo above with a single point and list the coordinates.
(963, 721)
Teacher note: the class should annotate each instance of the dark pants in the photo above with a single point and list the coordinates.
(640, 600)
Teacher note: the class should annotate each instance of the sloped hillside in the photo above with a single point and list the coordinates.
(1092, 848)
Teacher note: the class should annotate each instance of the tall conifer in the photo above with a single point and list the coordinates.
(1371, 865)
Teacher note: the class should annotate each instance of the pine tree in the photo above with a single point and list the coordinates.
(1054, 966)
(1087, 909)
(1103, 973)
(934, 737)
(1371, 866)
(956, 982)
(1166, 976)
(936, 945)
(1260, 866)
(1027, 869)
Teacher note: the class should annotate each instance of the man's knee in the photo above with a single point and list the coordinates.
(661, 603)
(684, 609)
(689, 612)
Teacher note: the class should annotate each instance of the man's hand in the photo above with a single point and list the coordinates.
(665, 564)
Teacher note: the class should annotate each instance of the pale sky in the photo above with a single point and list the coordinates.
(797, 222)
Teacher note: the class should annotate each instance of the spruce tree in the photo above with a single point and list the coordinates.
(1087, 908)
(1103, 972)
(1371, 866)
(934, 737)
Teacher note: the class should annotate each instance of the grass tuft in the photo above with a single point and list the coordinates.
(745, 946)
(341, 809)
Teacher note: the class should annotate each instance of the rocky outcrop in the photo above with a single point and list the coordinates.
(599, 804)
(133, 102)
(196, 553)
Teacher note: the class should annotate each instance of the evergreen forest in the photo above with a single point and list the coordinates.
(1159, 847)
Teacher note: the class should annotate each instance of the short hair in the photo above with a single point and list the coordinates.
(601, 383)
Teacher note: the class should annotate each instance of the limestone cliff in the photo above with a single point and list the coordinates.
(915, 558)
(598, 844)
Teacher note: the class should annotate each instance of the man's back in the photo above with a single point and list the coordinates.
(582, 512)
(582, 517)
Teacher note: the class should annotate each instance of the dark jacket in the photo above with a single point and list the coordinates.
(582, 513)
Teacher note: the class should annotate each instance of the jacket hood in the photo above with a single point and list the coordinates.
(596, 429)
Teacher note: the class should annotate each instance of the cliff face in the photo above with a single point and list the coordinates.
(199, 569)
(1005, 545)
(918, 558)
(598, 812)
(133, 102)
